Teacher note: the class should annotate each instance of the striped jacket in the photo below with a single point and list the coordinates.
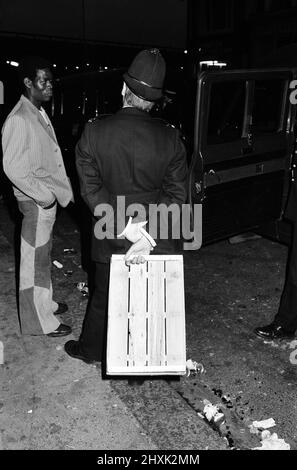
(32, 158)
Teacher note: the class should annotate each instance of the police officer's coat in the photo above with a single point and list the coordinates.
(130, 154)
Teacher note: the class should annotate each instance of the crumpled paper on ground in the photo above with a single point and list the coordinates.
(195, 367)
(83, 288)
(293, 344)
(265, 424)
(212, 412)
(272, 442)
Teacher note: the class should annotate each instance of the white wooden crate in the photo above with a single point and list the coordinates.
(146, 317)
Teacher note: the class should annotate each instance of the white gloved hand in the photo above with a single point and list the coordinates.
(132, 231)
(137, 252)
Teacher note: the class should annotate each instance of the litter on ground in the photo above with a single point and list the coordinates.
(68, 273)
(293, 357)
(272, 343)
(212, 412)
(69, 251)
(293, 344)
(272, 442)
(83, 288)
(265, 424)
(194, 367)
(57, 264)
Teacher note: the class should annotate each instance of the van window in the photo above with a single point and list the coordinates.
(267, 106)
(226, 111)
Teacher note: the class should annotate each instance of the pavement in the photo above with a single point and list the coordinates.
(47, 399)
(50, 401)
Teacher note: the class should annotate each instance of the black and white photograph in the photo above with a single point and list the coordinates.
(148, 231)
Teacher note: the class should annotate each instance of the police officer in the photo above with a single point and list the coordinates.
(141, 159)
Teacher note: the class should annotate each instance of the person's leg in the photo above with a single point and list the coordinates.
(35, 295)
(287, 312)
(284, 324)
(93, 336)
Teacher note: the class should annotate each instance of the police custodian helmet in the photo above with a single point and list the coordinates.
(146, 74)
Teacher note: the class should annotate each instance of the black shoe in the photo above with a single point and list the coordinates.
(62, 308)
(72, 348)
(62, 330)
(273, 331)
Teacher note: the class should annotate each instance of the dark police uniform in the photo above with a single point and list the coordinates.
(128, 154)
(287, 312)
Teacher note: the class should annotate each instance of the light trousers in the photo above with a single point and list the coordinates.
(36, 305)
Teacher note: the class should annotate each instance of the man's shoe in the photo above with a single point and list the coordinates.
(62, 330)
(72, 348)
(273, 331)
(62, 308)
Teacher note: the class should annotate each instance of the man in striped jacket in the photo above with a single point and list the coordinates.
(33, 162)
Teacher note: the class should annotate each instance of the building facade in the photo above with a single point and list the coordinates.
(240, 32)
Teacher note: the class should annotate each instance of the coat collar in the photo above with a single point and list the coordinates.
(38, 115)
(28, 103)
(131, 111)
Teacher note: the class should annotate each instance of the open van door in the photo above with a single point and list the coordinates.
(243, 145)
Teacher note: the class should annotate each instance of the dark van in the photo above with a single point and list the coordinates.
(243, 149)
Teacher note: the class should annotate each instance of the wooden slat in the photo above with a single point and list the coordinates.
(175, 314)
(150, 306)
(137, 316)
(156, 333)
(117, 315)
(147, 370)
